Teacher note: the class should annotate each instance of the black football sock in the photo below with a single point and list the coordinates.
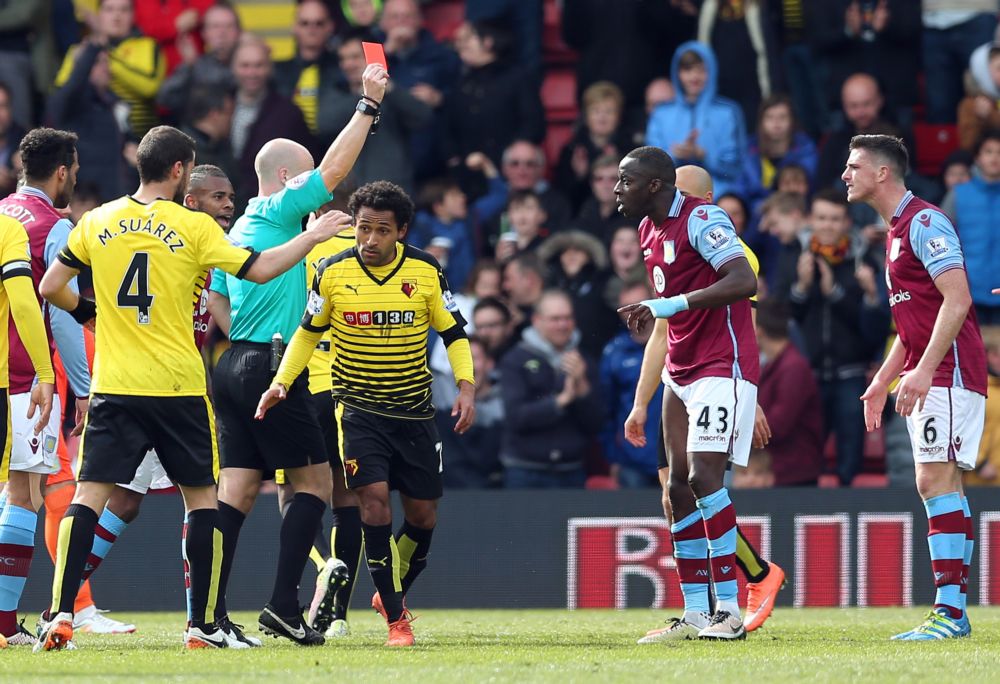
(414, 543)
(76, 536)
(203, 550)
(321, 542)
(749, 561)
(346, 542)
(383, 564)
(230, 522)
(298, 529)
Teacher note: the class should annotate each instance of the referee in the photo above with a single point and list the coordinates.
(290, 439)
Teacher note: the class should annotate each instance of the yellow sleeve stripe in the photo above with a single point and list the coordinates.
(15, 268)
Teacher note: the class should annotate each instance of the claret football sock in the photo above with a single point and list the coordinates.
(17, 544)
(109, 528)
(946, 537)
(691, 561)
(720, 529)
(970, 543)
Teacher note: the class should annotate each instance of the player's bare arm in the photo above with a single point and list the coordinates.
(220, 308)
(344, 151)
(275, 261)
(954, 287)
(649, 379)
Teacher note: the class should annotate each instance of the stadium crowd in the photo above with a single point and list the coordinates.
(519, 206)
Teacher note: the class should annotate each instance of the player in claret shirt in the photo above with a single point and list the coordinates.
(703, 280)
(940, 355)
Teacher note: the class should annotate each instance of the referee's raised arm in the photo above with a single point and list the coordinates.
(344, 151)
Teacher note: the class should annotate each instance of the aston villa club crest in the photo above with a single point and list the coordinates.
(409, 287)
(702, 214)
(669, 255)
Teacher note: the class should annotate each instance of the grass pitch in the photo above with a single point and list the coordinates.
(537, 646)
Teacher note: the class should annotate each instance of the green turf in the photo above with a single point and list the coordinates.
(552, 646)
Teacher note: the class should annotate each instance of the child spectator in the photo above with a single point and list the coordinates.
(783, 216)
(626, 262)
(526, 219)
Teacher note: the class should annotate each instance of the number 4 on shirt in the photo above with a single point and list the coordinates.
(134, 290)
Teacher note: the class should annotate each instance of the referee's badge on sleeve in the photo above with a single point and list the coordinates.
(315, 304)
(298, 181)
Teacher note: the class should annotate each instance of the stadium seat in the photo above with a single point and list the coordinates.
(554, 51)
(559, 96)
(870, 481)
(556, 137)
(443, 17)
(601, 482)
(934, 142)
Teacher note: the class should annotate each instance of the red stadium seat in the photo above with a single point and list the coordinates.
(601, 482)
(556, 137)
(934, 143)
(559, 96)
(554, 51)
(443, 17)
(870, 481)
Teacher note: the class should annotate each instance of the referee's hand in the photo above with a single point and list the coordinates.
(328, 225)
(464, 406)
(275, 393)
(41, 397)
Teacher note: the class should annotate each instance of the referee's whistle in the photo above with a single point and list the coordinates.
(277, 349)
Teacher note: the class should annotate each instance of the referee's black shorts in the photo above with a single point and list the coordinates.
(121, 428)
(288, 437)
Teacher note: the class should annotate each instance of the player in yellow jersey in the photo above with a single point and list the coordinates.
(379, 300)
(148, 389)
(765, 579)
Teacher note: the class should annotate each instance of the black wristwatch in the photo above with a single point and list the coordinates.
(368, 109)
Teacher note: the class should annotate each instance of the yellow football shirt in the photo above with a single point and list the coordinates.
(379, 318)
(306, 95)
(754, 262)
(319, 363)
(147, 259)
(18, 298)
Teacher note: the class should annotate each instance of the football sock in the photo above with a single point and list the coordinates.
(203, 555)
(230, 522)
(970, 543)
(414, 543)
(320, 551)
(298, 530)
(109, 528)
(346, 542)
(946, 537)
(720, 529)
(17, 544)
(749, 561)
(383, 564)
(691, 560)
(76, 537)
(56, 503)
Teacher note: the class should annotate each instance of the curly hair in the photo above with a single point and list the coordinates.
(383, 196)
(44, 150)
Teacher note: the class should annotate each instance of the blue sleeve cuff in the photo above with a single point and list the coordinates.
(666, 307)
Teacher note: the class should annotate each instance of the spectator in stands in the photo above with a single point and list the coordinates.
(387, 154)
(10, 138)
(359, 16)
(987, 470)
(862, 102)
(844, 319)
(445, 214)
(174, 25)
(659, 91)
(552, 411)
(474, 456)
(527, 225)
(741, 37)
(738, 211)
(137, 64)
(261, 114)
(776, 144)
(975, 206)
(524, 17)
(599, 134)
(523, 167)
(802, 72)
(220, 33)
(952, 30)
(792, 178)
(698, 126)
(599, 213)
(84, 104)
(790, 399)
(495, 102)
(628, 45)
(979, 111)
(621, 362)
(625, 255)
(484, 280)
(577, 265)
(957, 169)
(209, 121)
(523, 284)
(424, 67)
(783, 216)
(26, 56)
(314, 70)
(876, 37)
(493, 324)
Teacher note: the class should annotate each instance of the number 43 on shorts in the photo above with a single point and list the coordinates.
(721, 418)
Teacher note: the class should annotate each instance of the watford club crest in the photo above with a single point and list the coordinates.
(409, 287)
(351, 465)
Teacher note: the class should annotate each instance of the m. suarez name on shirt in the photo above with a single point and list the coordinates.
(138, 225)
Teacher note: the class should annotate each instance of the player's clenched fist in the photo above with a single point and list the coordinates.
(374, 81)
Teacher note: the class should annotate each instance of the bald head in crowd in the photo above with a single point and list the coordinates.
(862, 101)
(279, 161)
(694, 181)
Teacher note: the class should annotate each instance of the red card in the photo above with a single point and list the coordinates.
(374, 54)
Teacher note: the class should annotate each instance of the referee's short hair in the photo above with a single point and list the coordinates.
(44, 150)
(160, 149)
(888, 148)
(383, 196)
